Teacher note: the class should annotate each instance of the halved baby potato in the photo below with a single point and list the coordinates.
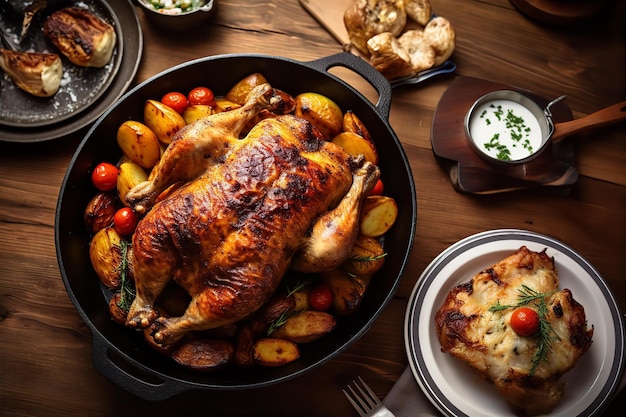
(162, 120)
(239, 92)
(197, 112)
(306, 326)
(272, 351)
(357, 145)
(204, 354)
(130, 175)
(347, 290)
(367, 256)
(222, 105)
(139, 143)
(105, 253)
(321, 111)
(378, 214)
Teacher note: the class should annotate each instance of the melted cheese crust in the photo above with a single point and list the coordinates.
(485, 340)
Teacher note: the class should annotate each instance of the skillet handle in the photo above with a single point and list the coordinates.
(365, 70)
(110, 363)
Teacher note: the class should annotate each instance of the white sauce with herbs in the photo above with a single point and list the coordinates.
(505, 130)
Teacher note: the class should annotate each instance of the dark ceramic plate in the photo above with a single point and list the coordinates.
(85, 93)
(80, 86)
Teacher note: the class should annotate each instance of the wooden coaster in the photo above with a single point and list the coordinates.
(469, 172)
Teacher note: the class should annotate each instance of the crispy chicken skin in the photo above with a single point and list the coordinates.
(485, 340)
(248, 207)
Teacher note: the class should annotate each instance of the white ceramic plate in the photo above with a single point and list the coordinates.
(451, 385)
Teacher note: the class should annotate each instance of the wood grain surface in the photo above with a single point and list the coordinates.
(45, 359)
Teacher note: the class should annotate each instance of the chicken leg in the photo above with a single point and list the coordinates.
(335, 232)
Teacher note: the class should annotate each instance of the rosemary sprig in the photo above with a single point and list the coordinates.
(300, 284)
(367, 259)
(282, 319)
(127, 291)
(546, 336)
(526, 295)
(546, 332)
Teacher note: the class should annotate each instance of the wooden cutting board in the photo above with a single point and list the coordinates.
(329, 13)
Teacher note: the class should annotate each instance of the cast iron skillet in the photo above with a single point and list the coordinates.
(119, 353)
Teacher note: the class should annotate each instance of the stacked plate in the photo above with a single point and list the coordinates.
(85, 93)
(450, 384)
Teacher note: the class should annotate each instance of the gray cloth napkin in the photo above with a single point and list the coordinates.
(406, 399)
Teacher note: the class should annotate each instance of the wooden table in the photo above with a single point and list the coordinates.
(45, 359)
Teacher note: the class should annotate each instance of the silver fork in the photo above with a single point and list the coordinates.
(365, 401)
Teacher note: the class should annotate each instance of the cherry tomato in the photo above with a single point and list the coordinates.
(104, 176)
(177, 101)
(320, 297)
(378, 188)
(201, 95)
(125, 221)
(525, 321)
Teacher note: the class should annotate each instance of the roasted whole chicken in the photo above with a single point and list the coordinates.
(244, 211)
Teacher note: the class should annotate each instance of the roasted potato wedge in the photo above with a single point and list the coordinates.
(139, 143)
(378, 214)
(301, 298)
(279, 305)
(105, 253)
(162, 120)
(222, 105)
(367, 257)
(351, 123)
(118, 315)
(357, 145)
(197, 112)
(347, 290)
(306, 326)
(100, 211)
(272, 352)
(130, 174)
(239, 92)
(321, 111)
(204, 354)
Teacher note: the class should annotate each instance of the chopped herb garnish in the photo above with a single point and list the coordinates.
(516, 129)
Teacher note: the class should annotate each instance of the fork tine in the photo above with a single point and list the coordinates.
(357, 406)
(371, 393)
(363, 401)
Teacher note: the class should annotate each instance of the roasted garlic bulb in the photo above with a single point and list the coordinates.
(34, 72)
(81, 36)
